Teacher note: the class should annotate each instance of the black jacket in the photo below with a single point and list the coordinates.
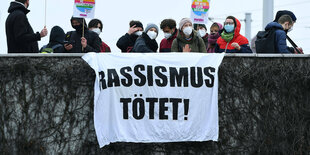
(93, 41)
(126, 42)
(20, 35)
(57, 38)
(144, 44)
(74, 38)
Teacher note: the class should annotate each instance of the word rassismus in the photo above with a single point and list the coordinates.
(160, 76)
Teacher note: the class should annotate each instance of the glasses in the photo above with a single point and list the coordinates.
(229, 23)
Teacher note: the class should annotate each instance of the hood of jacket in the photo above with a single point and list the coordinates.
(238, 28)
(57, 35)
(17, 6)
(273, 25)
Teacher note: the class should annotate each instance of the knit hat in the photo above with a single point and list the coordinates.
(151, 25)
(183, 21)
(285, 12)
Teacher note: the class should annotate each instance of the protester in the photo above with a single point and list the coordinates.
(214, 35)
(231, 41)
(79, 44)
(292, 15)
(127, 41)
(202, 32)
(170, 30)
(95, 25)
(187, 39)
(56, 43)
(146, 43)
(20, 35)
(284, 23)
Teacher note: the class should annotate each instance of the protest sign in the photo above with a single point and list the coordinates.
(84, 8)
(199, 11)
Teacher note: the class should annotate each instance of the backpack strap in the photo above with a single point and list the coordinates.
(293, 44)
(56, 46)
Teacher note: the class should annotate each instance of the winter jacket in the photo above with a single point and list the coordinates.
(145, 45)
(20, 35)
(104, 48)
(93, 41)
(243, 42)
(280, 37)
(165, 44)
(126, 42)
(196, 43)
(57, 37)
(205, 40)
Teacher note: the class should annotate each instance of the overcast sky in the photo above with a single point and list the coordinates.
(117, 14)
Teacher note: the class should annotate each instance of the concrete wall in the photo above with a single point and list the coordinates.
(46, 107)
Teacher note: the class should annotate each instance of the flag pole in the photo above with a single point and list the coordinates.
(45, 13)
(83, 33)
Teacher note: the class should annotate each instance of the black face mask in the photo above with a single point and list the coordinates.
(78, 27)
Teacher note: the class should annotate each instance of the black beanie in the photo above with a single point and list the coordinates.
(285, 12)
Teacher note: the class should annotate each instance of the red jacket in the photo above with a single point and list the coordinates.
(165, 44)
(104, 48)
(238, 38)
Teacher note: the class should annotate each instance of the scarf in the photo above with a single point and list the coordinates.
(152, 44)
(227, 36)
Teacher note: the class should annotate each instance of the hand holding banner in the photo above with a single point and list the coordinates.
(155, 97)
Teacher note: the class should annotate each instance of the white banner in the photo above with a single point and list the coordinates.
(84, 8)
(200, 11)
(145, 98)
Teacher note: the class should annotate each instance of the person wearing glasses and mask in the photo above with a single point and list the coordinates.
(187, 39)
(231, 41)
(146, 43)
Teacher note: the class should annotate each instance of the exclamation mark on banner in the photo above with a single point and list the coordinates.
(186, 106)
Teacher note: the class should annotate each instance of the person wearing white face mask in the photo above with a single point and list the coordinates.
(146, 43)
(127, 41)
(187, 39)
(96, 25)
(202, 32)
(170, 30)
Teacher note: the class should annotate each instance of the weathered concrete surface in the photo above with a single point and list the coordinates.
(46, 107)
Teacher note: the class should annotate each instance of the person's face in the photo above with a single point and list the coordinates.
(168, 30)
(187, 25)
(153, 29)
(27, 4)
(98, 26)
(287, 26)
(229, 22)
(200, 28)
(214, 30)
(75, 23)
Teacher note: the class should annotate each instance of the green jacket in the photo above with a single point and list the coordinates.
(196, 44)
